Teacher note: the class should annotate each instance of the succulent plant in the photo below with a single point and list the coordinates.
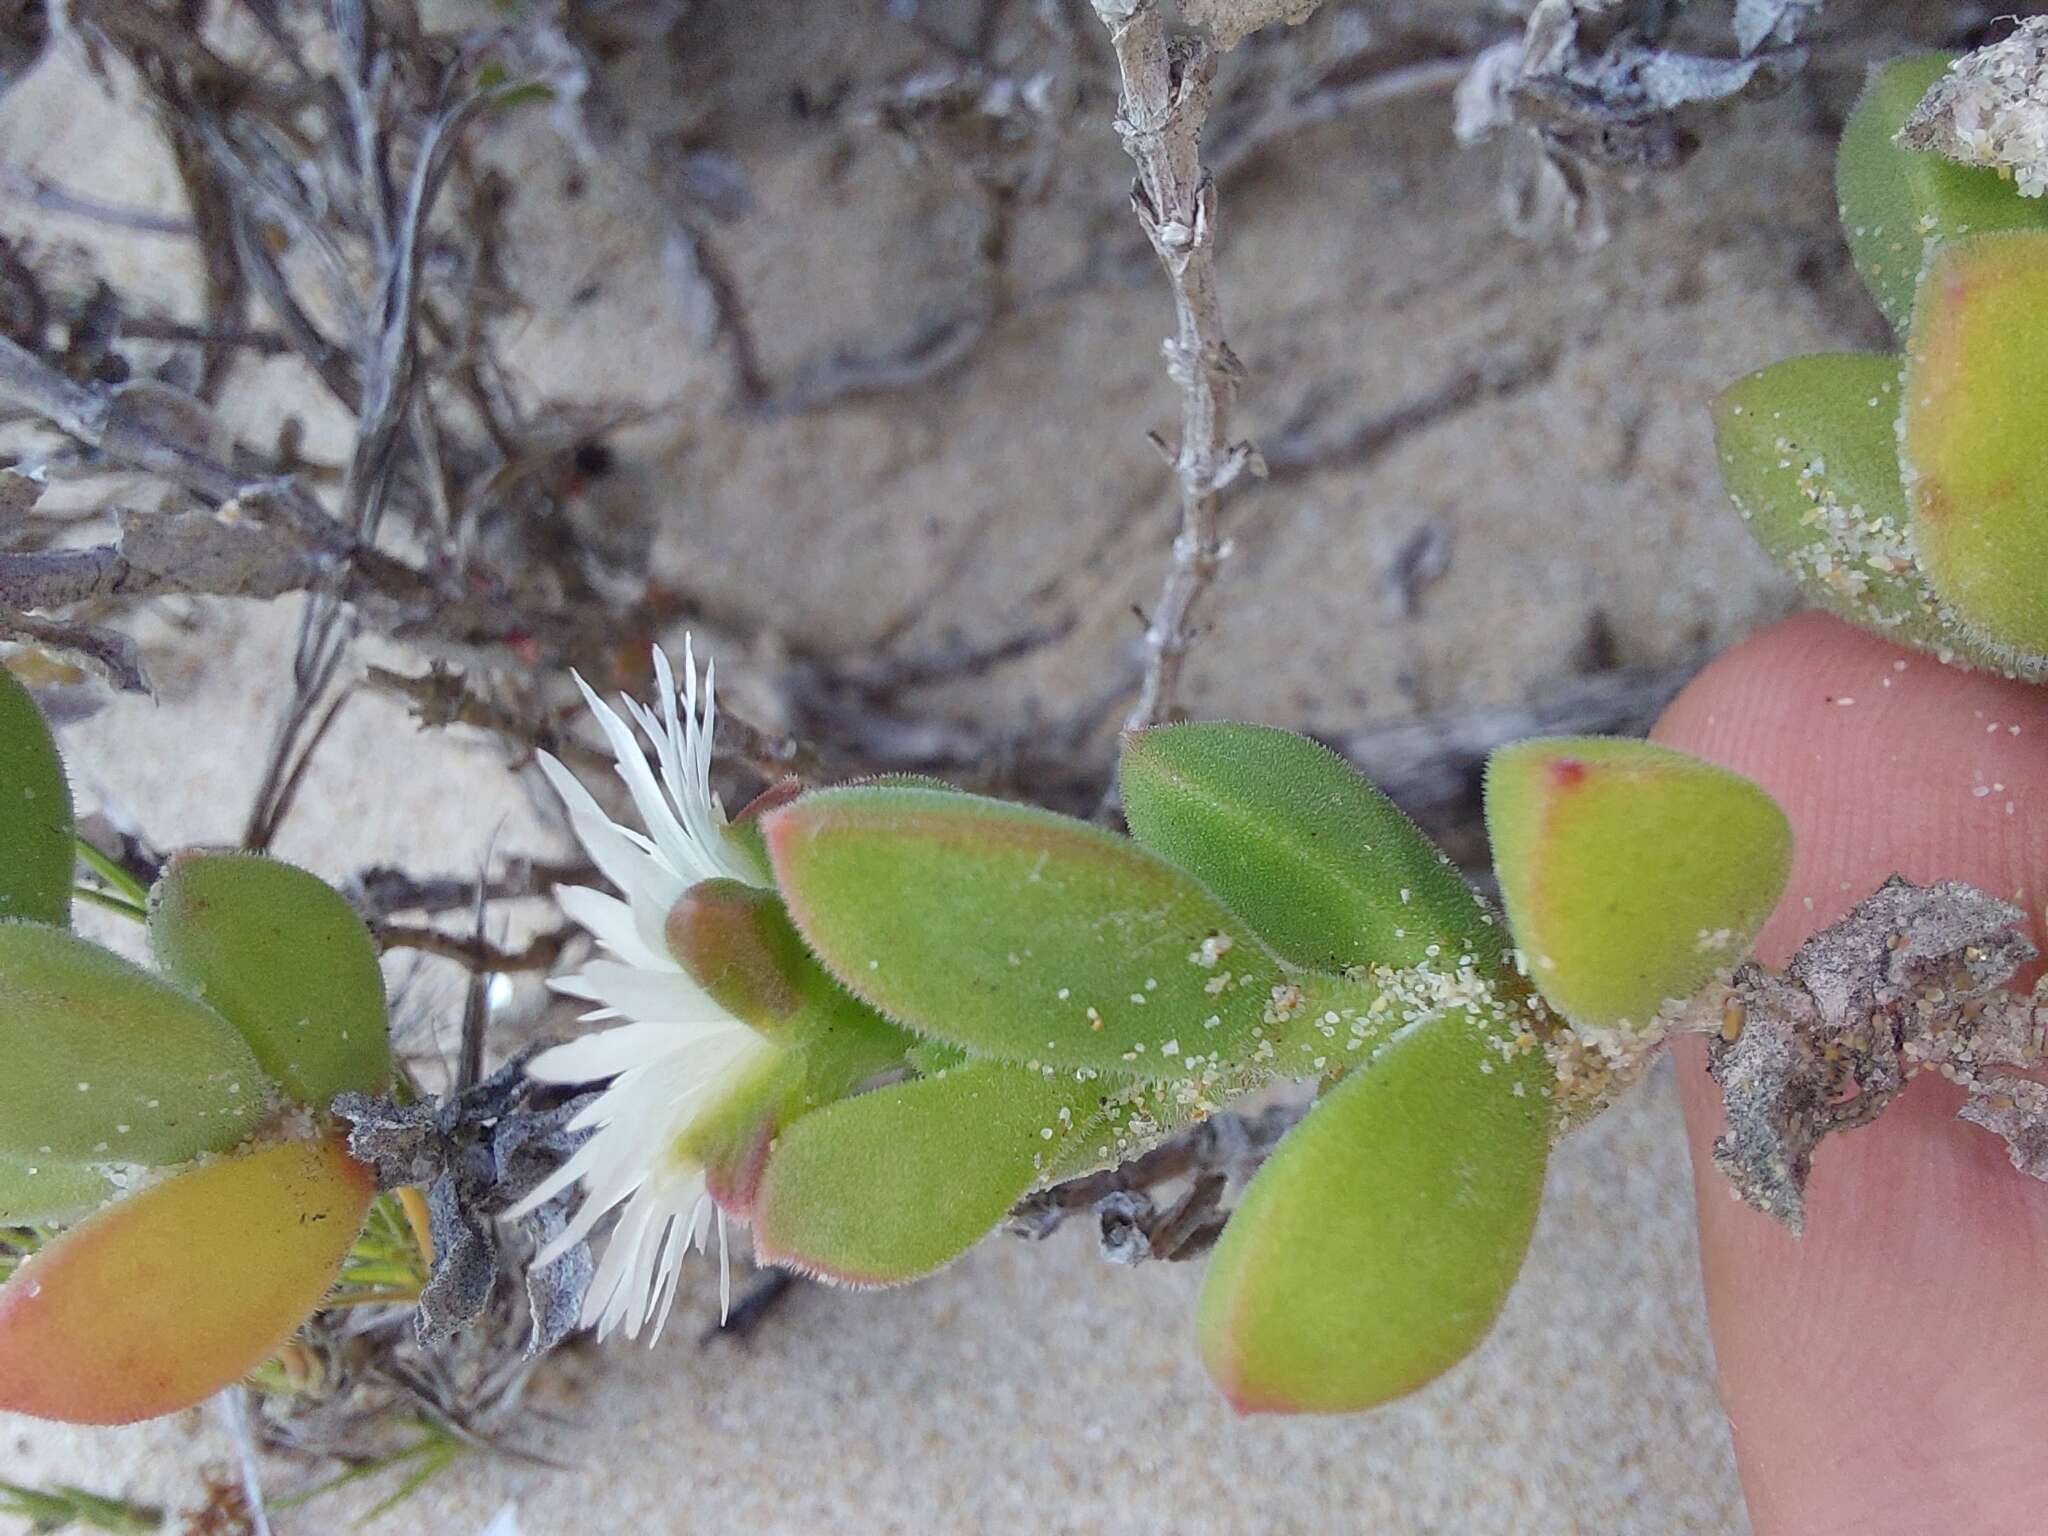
(1909, 493)
(176, 1119)
(1274, 918)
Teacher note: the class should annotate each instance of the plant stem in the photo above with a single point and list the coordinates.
(112, 873)
(133, 911)
(1165, 99)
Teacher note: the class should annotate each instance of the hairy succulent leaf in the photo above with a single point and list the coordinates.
(1895, 202)
(1301, 846)
(889, 1186)
(106, 1063)
(738, 942)
(1631, 871)
(48, 1190)
(1809, 452)
(285, 960)
(163, 1298)
(1016, 933)
(35, 813)
(1374, 1249)
(1975, 453)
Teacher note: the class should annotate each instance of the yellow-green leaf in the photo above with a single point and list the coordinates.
(165, 1297)
(1631, 871)
(823, 1043)
(1012, 932)
(889, 1186)
(35, 813)
(106, 1063)
(1374, 1249)
(1975, 450)
(285, 960)
(47, 1190)
(1897, 202)
(1301, 846)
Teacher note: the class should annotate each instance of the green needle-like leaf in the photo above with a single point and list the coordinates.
(285, 960)
(1016, 933)
(105, 1063)
(1975, 450)
(1631, 872)
(1299, 844)
(35, 813)
(1896, 202)
(889, 1186)
(1374, 1249)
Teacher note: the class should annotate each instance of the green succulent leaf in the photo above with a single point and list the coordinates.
(1896, 202)
(1015, 933)
(1809, 452)
(1975, 453)
(35, 813)
(47, 1190)
(106, 1063)
(889, 1186)
(824, 1043)
(733, 1138)
(1301, 846)
(1374, 1249)
(285, 960)
(1631, 872)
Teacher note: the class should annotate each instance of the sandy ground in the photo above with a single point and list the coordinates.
(1363, 266)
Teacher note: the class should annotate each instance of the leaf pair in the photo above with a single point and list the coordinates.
(1070, 964)
(1056, 968)
(268, 994)
(1911, 494)
(268, 987)
(1376, 1246)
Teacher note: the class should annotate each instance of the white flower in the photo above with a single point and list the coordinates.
(678, 1051)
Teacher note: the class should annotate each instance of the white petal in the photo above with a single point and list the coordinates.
(611, 847)
(604, 1054)
(666, 997)
(655, 814)
(611, 922)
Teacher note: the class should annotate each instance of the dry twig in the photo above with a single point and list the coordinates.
(1165, 99)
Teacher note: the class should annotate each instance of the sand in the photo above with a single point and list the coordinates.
(1035, 1388)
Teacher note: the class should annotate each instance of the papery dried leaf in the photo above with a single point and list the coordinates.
(1758, 22)
(1991, 109)
(1911, 978)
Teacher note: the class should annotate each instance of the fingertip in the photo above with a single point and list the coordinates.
(1886, 760)
(1921, 1243)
